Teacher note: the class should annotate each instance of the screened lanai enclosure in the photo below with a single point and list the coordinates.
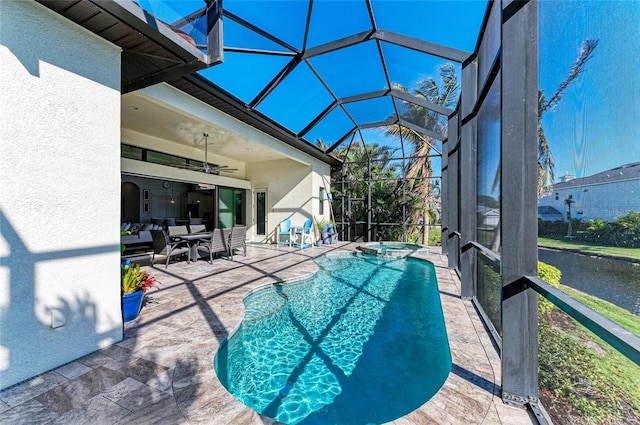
(432, 111)
(359, 80)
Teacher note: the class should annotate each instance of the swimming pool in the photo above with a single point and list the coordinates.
(361, 342)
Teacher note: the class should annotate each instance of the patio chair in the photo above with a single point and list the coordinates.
(283, 230)
(177, 230)
(217, 243)
(162, 245)
(305, 233)
(196, 228)
(237, 239)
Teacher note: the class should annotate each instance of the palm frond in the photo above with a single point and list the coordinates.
(586, 51)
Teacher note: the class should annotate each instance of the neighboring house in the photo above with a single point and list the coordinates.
(606, 195)
(547, 213)
(86, 109)
(488, 217)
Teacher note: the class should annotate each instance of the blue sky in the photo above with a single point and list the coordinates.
(596, 126)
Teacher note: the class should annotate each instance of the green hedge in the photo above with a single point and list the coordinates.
(551, 275)
(622, 232)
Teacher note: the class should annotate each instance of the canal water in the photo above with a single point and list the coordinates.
(615, 281)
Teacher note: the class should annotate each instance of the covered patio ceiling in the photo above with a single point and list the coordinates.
(142, 114)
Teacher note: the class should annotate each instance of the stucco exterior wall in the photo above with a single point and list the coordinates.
(60, 203)
(292, 192)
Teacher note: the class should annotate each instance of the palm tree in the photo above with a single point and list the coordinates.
(320, 143)
(366, 168)
(419, 171)
(546, 175)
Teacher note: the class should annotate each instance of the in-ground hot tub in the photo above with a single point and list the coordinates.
(392, 249)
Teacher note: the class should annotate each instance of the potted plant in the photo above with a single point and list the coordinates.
(135, 283)
(319, 226)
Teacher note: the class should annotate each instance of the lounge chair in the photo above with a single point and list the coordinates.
(162, 245)
(283, 230)
(237, 239)
(217, 243)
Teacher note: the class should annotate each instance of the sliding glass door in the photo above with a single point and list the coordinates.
(231, 203)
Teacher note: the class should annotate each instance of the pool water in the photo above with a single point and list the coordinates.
(361, 342)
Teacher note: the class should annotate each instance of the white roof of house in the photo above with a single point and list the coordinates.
(623, 172)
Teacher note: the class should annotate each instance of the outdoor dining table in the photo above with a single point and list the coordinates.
(190, 238)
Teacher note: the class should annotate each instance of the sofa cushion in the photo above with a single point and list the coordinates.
(147, 226)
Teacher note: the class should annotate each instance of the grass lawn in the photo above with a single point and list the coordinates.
(609, 251)
(607, 309)
(583, 379)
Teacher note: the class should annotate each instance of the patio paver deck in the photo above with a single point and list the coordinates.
(162, 373)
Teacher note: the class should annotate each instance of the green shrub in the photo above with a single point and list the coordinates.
(622, 232)
(552, 228)
(435, 237)
(552, 276)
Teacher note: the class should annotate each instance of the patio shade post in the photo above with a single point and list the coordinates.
(214, 31)
(519, 110)
(453, 198)
(468, 176)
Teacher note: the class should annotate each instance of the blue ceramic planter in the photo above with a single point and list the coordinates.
(131, 305)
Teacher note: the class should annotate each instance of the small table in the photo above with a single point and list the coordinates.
(295, 230)
(189, 238)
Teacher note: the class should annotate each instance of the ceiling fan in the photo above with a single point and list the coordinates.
(211, 168)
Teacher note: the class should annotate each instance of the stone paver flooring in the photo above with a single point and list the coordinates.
(161, 373)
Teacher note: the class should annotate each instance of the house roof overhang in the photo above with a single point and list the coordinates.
(153, 52)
